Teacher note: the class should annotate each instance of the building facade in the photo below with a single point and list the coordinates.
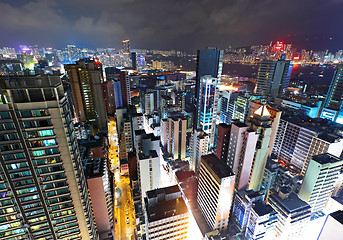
(319, 181)
(215, 191)
(273, 77)
(44, 193)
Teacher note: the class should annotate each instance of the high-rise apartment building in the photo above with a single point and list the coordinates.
(261, 124)
(72, 53)
(293, 215)
(299, 138)
(198, 146)
(241, 152)
(176, 136)
(86, 80)
(43, 188)
(148, 172)
(273, 77)
(118, 98)
(223, 141)
(99, 186)
(125, 88)
(149, 106)
(319, 181)
(241, 106)
(215, 191)
(166, 214)
(180, 99)
(333, 107)
(109, 97)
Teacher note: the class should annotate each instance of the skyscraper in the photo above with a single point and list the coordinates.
(241, 152)
(148, 172)
(209, 63)
(86, 80)
(126, 46)
(215, 191)
(223, 138)
(333, 107)
(260, 123)
(319, 180)
(125, 88)
(43, 185)
(273, 77)
(207, 107)
(275, 116)
(176, 138)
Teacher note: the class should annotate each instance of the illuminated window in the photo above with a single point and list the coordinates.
(44, 133)
(9, 210)
(38, 153)
(49, 142)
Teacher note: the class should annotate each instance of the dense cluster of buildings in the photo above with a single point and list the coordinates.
(111, 152)
(274, 50)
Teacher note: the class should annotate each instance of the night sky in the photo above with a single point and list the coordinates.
(172, 24)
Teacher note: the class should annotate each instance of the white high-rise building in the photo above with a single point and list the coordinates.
(319, 181)
(215, 191)
(293, 215)
(199, 147)
(148, 172)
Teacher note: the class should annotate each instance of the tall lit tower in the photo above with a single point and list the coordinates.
(126, 46)
(42, 183)
(86, 80)
(333, 107)
(260, 122)
(207, 104)
(209, 70)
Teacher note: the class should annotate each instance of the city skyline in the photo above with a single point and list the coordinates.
(182, 25)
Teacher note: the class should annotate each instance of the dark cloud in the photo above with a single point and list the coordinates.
(167, 24)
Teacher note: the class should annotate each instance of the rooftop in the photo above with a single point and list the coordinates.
(218, 166)
(239, 124)
(152, 154)
(326, 158)
(223, 125)
(262, 209)
(166, 209)
(292, 203)
(166, 191)
(95, 168)
(184, 175)
(338, 215)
